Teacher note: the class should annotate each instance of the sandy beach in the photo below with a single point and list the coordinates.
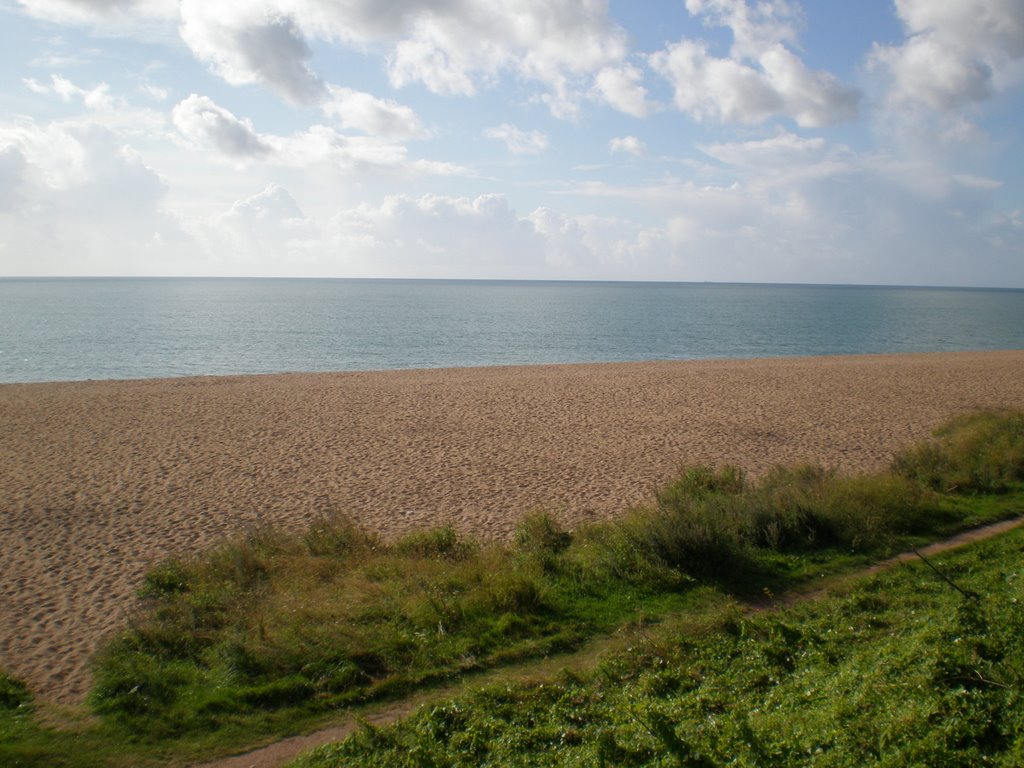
(99, 480)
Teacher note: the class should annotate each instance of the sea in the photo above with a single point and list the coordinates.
(65, 329)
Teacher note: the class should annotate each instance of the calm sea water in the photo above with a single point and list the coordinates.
(66, 329)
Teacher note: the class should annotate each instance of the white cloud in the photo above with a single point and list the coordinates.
(207, 124)
(760, 79)
(425, 236)
(976, 182)
(788, 208)
(601, 246)
(265, 234)
(376, 117)
(631, 145)
(437, 236)
(428, 63)
(519, 142)
(54, 157)
(756, 28)
(622, 88)
(154, 92)
(957, 52)
(115, 14)
(203, 122)
(784, 149)
(451, 48)
(441, 236)
(97, 98)
(12, 176)
(82, 202)
(257, 42)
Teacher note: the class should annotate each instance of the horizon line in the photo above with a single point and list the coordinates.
(934, 286)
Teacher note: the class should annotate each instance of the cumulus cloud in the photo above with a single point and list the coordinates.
(957, 52)
(377, 117)
(55, 157)
(266, 233)
(453, 47)
(252, 43)
(202, 121)
(519, 142)
(12, 172)
(437, 236)
(484, 236)
(81, 201)
(622, 88)
(760, 79)
(789, 208)
(425, 236)
(631, 145)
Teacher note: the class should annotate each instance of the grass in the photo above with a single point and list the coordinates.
(900, 670)
(273, 632)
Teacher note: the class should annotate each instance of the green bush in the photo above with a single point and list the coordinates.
(338, 537)
(443, 542)
(541, 534)
(976, 453)
(13, 693)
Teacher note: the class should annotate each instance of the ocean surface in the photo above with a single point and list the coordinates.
(128, 328)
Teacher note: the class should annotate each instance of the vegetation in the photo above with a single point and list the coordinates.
(275, 631)
(901, 670)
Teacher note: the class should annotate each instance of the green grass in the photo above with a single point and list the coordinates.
(273, 632)
(901, 670)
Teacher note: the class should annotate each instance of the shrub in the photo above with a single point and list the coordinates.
(863, 513)
(337, 537)
(540, 533)
(442, 542)
(166, 579)
(979, 453)
(13, 693)
(783, 512)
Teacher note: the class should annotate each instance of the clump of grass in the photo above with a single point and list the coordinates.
(443, 542)
(13, 693)
(541, 534)
(301, 623)
(976, 453)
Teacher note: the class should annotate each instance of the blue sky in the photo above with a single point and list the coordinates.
(757, 141)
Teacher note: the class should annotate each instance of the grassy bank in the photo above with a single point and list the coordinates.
(274, 631)
(901, 670)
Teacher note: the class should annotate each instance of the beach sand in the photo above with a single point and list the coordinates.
(99, 480)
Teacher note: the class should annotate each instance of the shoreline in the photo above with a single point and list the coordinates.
(101, 479)
(205, 377)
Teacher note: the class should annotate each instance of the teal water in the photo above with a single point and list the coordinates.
(126, 328)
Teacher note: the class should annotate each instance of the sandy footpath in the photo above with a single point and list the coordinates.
(98, 480)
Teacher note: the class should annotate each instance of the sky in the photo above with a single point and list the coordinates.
(868, 142)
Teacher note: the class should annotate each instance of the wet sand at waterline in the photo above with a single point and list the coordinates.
(99, 480)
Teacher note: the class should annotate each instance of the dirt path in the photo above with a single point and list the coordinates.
(281, 752)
